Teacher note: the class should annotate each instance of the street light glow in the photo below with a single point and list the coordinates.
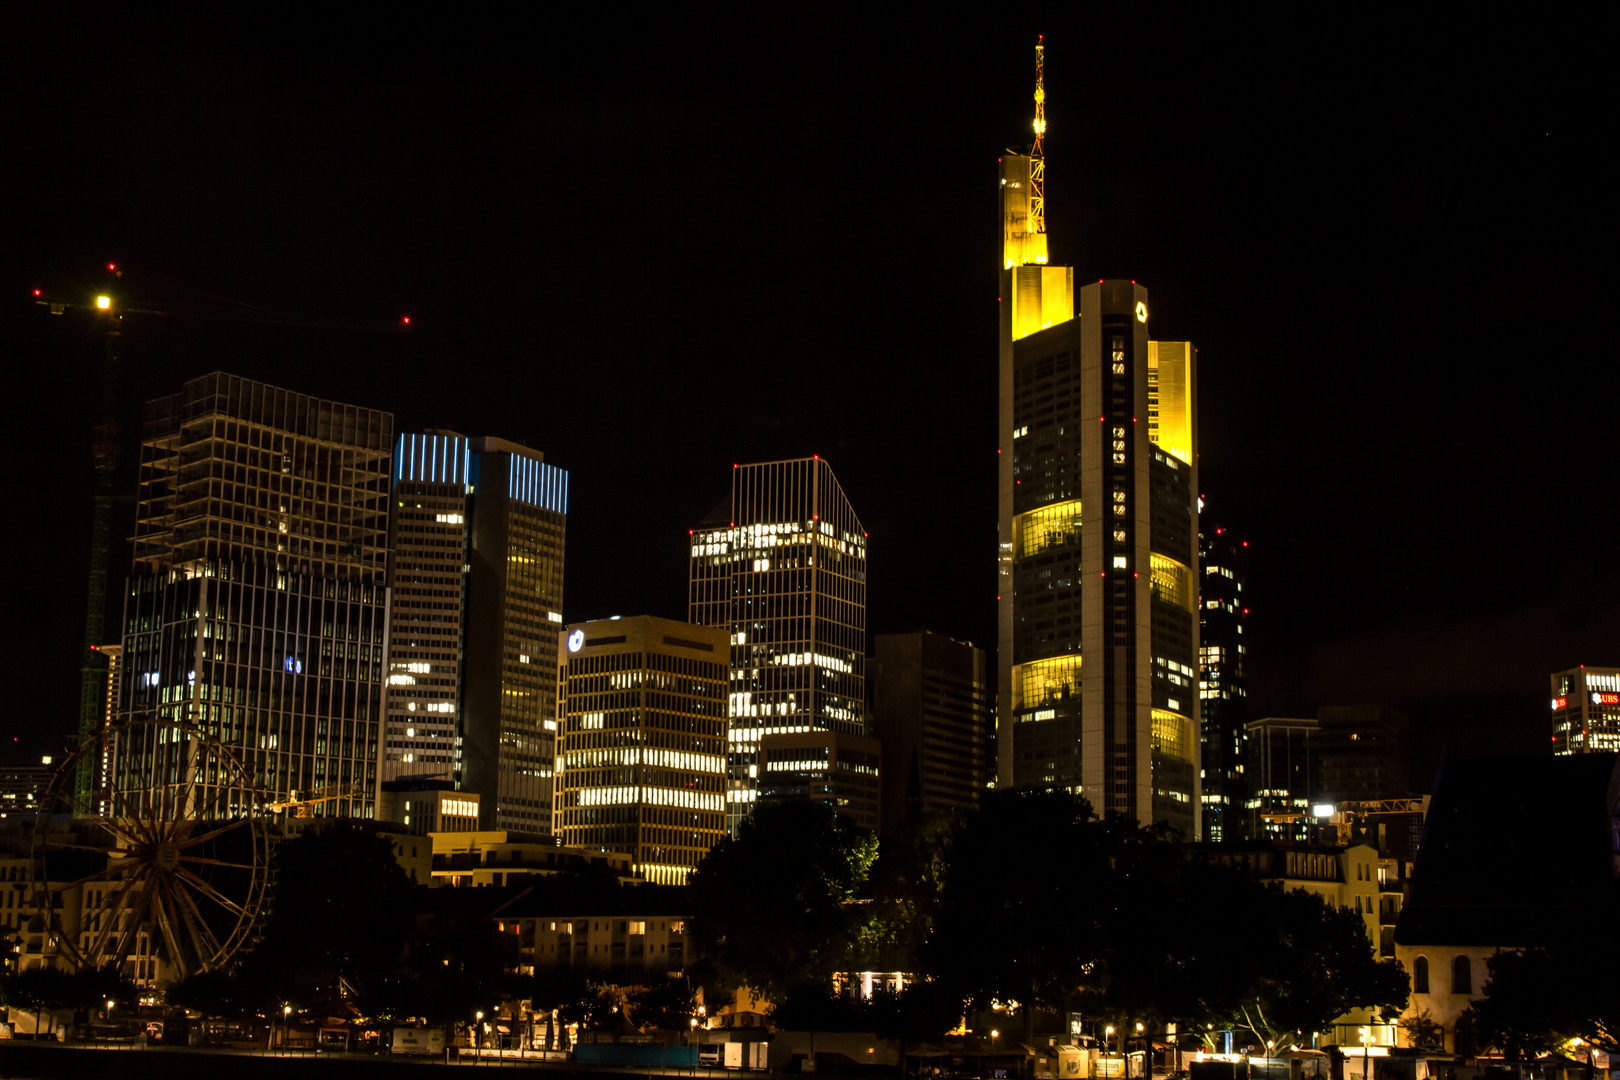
(103, 302)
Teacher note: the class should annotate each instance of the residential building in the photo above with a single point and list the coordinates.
(642, 935)
(781, 566)
(842, 771)
(1518, 853)
(495, 858)
(1361, 753)
(642, 766)
(1222, 686)
(257, 607)
(1098, 533)
(1343, 875)
(934, 712)
(1282, 777)
(478, 527)
(1586, 710)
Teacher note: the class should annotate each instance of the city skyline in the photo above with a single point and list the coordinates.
(1285, 218)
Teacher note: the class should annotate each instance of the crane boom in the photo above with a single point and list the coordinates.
(1037, 156)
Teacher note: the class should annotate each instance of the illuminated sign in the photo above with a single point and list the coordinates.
(1605, 699)
(576, 641)
(1141, 311)
(1560, 703)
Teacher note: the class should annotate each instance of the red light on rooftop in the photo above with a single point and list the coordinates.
(815, 457)
(1245, 543)
(112, 266)
(1245, 611)
(406, 320)
(691, 532)
(36, 292)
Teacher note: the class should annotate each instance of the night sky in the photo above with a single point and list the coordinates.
(654, 247)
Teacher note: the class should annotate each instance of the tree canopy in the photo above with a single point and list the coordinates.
(772, 908)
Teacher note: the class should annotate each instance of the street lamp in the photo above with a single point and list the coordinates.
(286, 1026)
(478, 1036)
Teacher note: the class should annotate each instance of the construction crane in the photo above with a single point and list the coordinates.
(1037, 156)
(105, 452)
(299, 802)
(1344, 815)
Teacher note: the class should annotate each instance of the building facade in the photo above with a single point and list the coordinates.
(1586, 710)
(1282, 777)
(642, 766)
(257, 608)
(781, 566)
(840, 770)
(1098, 632)
(933, 710)
(1481, 881)
(1222, 686)
(1362, 754)
(478, 529)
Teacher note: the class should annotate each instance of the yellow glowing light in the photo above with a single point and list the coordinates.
(1141, 311)
(103, 302)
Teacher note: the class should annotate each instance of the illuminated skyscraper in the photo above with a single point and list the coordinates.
(782, 566)
(257, 606)
(1586, 710)
(478, 530)
(642, 768)
(1222, 688)
(1099, 526)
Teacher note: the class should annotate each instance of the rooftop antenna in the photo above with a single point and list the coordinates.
(1037, 158)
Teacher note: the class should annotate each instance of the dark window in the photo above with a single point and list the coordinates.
(1462, 976)
(1420, 975)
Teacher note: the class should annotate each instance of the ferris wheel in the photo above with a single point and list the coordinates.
(175, 871)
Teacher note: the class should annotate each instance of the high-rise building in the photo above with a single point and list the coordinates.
(1222, 688)
(478, 531)
(642, 767)
(109, 718)
(1586, 710)
(257, 608)
(1098, 532)
(839, 770)
(1281, 777)
(933, 710)
(1361, 754)
(782, 566)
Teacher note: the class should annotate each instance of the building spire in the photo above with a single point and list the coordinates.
(1037, 157)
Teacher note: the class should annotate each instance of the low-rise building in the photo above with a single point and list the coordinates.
(493, 857)
(1515, 855)
(641, 933)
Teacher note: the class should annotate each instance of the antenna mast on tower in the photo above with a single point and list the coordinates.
(1037, 159)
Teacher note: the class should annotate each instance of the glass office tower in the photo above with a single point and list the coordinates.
(782, 566)
(478, 533)
(642, 765)
(257, 609)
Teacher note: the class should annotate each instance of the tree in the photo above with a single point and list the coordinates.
(1538, 999)
(1313, 962)
(1157, 964)
(339, 918)
(771, 905)
(1021, 913)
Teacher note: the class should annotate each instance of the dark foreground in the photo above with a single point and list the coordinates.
(24, 1060)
